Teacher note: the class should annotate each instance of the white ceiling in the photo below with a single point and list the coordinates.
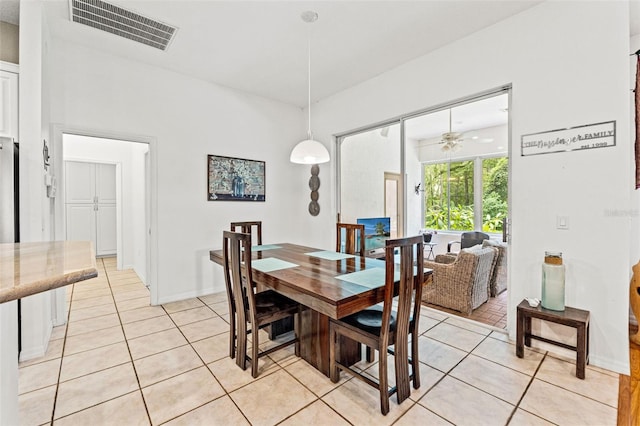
(260, 47)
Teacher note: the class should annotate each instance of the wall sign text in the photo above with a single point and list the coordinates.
(599, 135)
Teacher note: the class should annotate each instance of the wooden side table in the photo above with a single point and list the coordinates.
(571, 317)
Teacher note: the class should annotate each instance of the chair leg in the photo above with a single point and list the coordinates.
(296, 331)
(370, 354)
(241, 339)
(383, 381)
(334, 353)
(232, 335)
(415, 364)
(254, 351)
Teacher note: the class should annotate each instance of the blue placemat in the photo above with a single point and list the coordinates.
(265, 247)
(330, 255)
(370, 278)
(271, 264)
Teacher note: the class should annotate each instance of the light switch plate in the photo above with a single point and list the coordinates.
(562, 222)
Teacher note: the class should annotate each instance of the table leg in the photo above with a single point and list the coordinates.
(581, 350)
(527, 331)
(314, 342)
(520, 334)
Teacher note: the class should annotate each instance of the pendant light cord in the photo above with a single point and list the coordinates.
(309, 81)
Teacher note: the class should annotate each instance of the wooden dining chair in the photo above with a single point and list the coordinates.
(352, 233)
(248, 228)
(257, 310)
(380, 327)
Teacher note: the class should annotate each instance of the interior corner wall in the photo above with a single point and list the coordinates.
(568, 66)
(188, 119)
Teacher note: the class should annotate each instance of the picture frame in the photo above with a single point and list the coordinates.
(235, 179)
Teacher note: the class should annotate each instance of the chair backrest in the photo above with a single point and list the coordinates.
(470, 239)
(479, 274)
(237, 271)
(410, 280)
(248, 227)
(499, 278)
(351, 243)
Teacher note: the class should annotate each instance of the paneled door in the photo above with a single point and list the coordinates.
(90, 201)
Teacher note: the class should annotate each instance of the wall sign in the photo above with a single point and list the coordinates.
(599, 135)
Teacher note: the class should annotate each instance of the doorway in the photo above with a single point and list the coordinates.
(125, 201)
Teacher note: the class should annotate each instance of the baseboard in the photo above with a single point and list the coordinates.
(186, 295)
(39, 350)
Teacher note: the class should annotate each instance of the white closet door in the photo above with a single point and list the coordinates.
(80, 182)
(90, 195)
(106, 183)
(106, 229)
(81, 223)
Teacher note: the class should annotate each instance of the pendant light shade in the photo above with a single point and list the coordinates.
(309, 151)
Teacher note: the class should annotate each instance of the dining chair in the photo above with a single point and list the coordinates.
(248, 227)
(379, 327)
(353, 238)
(258, 310)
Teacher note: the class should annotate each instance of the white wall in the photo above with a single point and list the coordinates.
(129, 156)
(187, 119)
(365, 157)
(548, 54)
(35, 207)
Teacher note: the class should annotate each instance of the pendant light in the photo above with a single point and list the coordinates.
(309, 151)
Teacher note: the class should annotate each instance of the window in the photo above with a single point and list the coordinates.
(450, 194)
(495, 175)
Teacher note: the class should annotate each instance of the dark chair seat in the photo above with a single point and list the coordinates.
(370, 320)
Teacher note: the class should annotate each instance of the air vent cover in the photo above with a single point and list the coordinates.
(122, 22)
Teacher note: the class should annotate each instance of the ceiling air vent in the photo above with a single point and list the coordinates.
(122, 22)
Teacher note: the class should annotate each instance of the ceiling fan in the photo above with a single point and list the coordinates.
(451, 140)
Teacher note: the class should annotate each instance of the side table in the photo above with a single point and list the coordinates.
(571, 317)
(430, 254)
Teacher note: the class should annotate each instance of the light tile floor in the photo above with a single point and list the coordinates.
(120, 361)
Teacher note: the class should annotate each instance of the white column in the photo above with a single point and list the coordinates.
(9, 363)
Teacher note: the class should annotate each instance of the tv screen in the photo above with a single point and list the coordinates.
(376, 231)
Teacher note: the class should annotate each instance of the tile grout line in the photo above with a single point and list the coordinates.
(204, 364)
(515, 409)
(126, 341)
(64, 344)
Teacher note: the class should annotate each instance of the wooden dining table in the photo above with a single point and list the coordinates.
(328, 285)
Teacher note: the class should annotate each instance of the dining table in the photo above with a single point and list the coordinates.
(327, 284)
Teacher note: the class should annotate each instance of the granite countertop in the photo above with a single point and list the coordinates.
(30, 268)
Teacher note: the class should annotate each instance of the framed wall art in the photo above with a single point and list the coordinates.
(235, 179)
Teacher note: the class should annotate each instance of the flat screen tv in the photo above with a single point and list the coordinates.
(376, 231)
